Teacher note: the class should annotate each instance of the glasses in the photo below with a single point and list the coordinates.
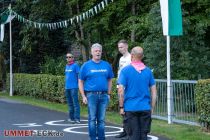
(69, 56)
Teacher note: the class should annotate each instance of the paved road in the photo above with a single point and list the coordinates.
(22, 119)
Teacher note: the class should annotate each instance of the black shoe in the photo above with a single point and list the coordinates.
(121, 135)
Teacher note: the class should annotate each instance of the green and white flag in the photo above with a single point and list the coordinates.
(171, 17)
(5, 18)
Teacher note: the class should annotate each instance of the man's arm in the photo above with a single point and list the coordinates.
(109, 86)
(153, 96)
(121, 99)
(81, 90)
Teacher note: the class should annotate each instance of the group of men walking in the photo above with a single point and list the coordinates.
(136, 91)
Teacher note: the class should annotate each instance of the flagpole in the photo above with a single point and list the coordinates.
(169, 93)
(11, 75)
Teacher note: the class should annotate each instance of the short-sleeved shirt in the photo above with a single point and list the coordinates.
(71, 76)
(137, 88)
(124, 61)
(96, 75)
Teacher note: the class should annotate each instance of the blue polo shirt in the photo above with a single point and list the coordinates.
(71, 76)
(96, 75)
(137, 88)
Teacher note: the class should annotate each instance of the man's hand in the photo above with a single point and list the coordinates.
(84, 99)
(122, 111)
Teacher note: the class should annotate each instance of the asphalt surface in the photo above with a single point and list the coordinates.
(21, 121)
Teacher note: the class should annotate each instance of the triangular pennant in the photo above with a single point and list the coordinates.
(39, 25)
(50, 25)
(96, 11)
(71, 21)
(77, 19)
(99, 7)
(80, 18)
(87, 15)
(60, 23)
(83, 15)
(102, 3)
(106, 2)
(65, 23)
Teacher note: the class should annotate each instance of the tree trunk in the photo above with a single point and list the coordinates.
(133, 9)
(81, 38)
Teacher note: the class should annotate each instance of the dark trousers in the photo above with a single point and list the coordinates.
(137, 124)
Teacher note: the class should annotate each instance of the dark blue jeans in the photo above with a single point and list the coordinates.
(73, 104)
(137, 124)
(97, 104)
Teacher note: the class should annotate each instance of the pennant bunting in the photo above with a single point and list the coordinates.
(62, 24)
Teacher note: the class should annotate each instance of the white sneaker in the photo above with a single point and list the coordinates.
(77, 121)
(70, 120)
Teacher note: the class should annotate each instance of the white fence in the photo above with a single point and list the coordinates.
(183, 105)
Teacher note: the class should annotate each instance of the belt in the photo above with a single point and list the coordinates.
(97, 92)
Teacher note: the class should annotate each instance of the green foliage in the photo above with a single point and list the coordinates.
(122, 19)
(40, 86)
(202, 91)
(53, 66)
(49, 87)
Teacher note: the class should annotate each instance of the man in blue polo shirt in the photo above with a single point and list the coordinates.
(71, 88)
(95, 83)
(136, 81)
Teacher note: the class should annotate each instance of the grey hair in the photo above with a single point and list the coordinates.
(137, 51)
(96, 45)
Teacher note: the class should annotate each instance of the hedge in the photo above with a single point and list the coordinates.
(202, 92)
(49, 87)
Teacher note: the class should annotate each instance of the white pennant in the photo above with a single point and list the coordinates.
(71, 21)
(99, 7)
(86, 13)
(65, 23)
(96, 9)
(77, 19)
(106, 1)
(80, 18)
(83, 16)
(102, 3)
(18, 17)
(50, 26)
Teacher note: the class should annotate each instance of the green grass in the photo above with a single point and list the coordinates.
(173, 132)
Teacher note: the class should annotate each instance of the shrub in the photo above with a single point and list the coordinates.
(40, 86)
(202, 92)
(49, 87)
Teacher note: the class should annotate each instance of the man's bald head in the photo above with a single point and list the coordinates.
(137, 52)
